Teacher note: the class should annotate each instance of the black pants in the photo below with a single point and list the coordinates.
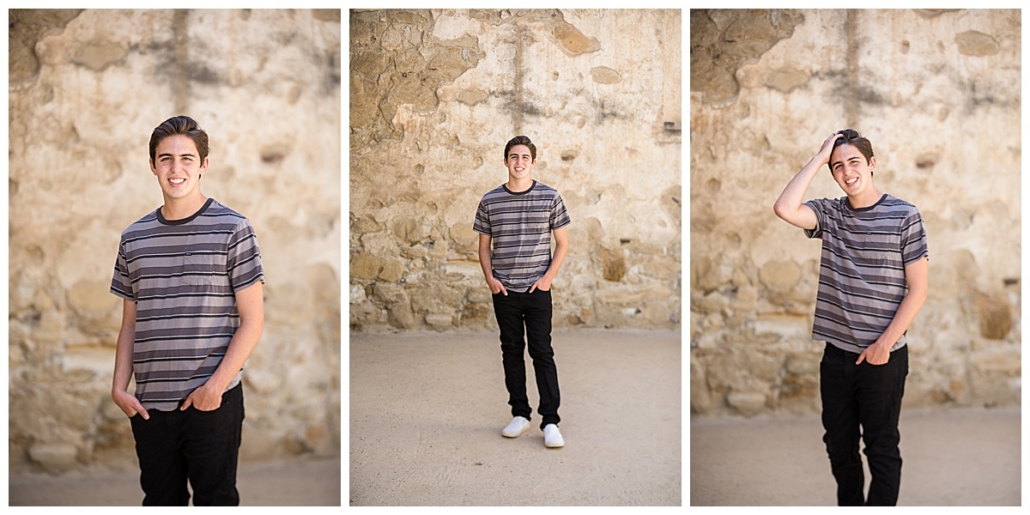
(199, 446)
(868, 396)
(528, 314)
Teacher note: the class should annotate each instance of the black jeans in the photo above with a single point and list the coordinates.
(528, 314)
(201, 446)
(868, 396)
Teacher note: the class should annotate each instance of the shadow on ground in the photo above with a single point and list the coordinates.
(426, 411)
(956, 457)
(295, 483)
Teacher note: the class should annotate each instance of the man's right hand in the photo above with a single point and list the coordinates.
(496, 286)
(789, 205)
(827, 149)
(129, 404)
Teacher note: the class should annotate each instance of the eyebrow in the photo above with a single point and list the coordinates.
(169, 154)
(514, 154)
(835, 163)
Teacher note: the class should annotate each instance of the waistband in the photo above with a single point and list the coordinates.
(833, 350)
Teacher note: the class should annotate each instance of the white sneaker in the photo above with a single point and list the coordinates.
(517, 427)
(552, 437)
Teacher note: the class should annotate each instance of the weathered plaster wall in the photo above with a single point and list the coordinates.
(938, 94)
(86, 89)
(435, 95)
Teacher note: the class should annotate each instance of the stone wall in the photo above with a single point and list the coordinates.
(435, 95)
(938, 94)
(86, 88)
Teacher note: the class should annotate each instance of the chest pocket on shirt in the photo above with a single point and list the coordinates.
(203, 264)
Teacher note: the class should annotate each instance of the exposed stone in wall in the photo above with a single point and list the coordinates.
(976, 43)
(395, 60)
(587, 86)
(720, 41)
(26, 27)
(937, 92)
(86, 89)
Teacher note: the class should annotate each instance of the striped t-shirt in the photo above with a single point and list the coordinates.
(519, 225)
(862, 273)
(183, 275)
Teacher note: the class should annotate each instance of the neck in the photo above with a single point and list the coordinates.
(177, 209)
(865, 199)
(517, 185)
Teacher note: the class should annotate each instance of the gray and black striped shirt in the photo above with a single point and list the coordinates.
(183, 276)
(519, 225)
(862, 270)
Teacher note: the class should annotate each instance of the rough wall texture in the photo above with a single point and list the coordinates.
(435, 95)
(938, 94)
(86, 89)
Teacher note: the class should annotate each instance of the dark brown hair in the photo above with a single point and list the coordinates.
(852, 137)
(520, 140)
(183, 125)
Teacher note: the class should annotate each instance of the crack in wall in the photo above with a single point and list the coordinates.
(180, 83)
(851, 86)
(517, 111)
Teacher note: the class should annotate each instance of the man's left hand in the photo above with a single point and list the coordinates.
(542, 284)
(204, 398)
(878, 353)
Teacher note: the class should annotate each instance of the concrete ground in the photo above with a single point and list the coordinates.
(426, 411)
(958, 457)
(302, 483)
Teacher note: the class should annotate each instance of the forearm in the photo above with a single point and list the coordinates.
(486, 257)
(123, 359)
(793, 194)
(124, 348)
(240, 347)
(907, 311)
(560, 250)
(486, 263)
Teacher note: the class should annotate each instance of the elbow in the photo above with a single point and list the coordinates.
(922, 296)
(918, 295)
(780, 210)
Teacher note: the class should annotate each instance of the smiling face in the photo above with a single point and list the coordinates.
(852, 171)
(177, 166)
(519, 162)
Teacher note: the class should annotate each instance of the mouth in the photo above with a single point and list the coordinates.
(177, 181)
(851, 182)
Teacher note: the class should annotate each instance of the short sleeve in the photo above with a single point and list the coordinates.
(818, 206)
(121, 283)
(559, 215)
(243, 262)
(913, 238)
(482, 223)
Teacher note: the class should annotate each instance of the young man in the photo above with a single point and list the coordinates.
(872, 282)
(515, 222)
(191, 279)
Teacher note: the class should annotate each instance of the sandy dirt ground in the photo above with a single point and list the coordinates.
(958, 457)
(300, 483)
(426, 412)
